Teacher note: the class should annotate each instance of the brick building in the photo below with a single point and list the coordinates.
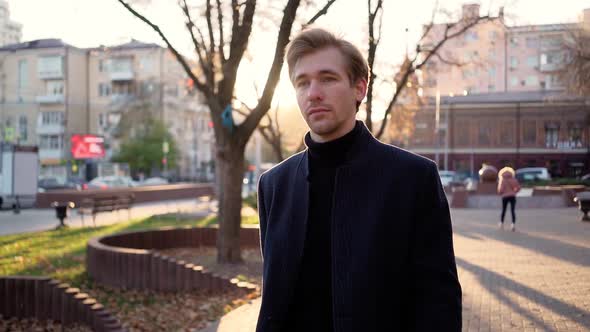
(518, 129)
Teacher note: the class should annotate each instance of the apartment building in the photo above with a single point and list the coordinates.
(10, 31)
(505, 104)
(495, 57)
(50, 90)
(148, 78)
(43, 96)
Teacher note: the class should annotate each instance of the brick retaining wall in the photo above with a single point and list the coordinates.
(127, 260)
(43, 298)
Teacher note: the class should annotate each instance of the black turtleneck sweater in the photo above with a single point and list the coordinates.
(311, 309)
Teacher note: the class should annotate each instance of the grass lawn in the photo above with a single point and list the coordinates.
(61, 253)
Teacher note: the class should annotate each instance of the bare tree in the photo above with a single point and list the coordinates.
(576, 72)
(219, 52)
(423, 53)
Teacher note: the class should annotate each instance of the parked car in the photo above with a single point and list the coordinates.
(532, 174)
(154, 181)
(51, 183)
(104, 182)
(446, 177)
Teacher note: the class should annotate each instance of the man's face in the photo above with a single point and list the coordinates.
(325, 96)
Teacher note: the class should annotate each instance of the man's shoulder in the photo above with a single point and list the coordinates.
(285, 167)
(402, 156)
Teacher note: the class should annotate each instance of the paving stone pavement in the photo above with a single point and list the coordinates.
(534, 279)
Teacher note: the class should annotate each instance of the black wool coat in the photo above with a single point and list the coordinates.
(393, 264)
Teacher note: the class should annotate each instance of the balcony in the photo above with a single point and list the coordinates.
(50, 99)
(550, 67)
(122, 75)
(50, 129)
(51, 74)
(52, 154)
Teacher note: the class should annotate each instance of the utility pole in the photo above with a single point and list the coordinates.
(436, 126)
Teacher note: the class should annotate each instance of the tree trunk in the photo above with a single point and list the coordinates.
(231, 163)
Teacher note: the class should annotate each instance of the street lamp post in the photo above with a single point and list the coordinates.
(436, 126)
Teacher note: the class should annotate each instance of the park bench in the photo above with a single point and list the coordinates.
(105, 203)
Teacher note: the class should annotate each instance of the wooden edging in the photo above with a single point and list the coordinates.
(128, 260)
(45, 298)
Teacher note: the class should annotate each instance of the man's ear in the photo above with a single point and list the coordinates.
(361, 89)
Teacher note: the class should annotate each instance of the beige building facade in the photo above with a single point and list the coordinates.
(494, 57)
(50, 90)
(10, 31)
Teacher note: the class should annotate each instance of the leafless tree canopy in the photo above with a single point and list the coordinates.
(422, 54)
(576, 73)
(220, 31)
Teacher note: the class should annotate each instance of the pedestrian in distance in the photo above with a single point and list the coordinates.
(355, 234)
(508, 187)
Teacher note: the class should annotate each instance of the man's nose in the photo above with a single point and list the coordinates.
(315, 91)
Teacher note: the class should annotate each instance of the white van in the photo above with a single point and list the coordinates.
(532, 174)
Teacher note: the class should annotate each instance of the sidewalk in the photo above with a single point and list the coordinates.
(535, 279)
(33, 220)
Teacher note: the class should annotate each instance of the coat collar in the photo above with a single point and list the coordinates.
(357, 152)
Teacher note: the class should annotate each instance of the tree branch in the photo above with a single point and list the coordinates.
(429, 54)
(201, 86)
(249, 125)
(221, 38)
(190, 25)
(319, 14)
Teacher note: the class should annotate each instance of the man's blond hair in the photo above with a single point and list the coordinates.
(312, 40)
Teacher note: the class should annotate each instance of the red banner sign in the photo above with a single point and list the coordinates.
(87, 147)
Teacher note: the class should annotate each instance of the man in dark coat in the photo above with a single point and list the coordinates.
(355, 234)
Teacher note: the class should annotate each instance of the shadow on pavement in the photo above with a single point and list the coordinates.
(502, 286)
(550, 247)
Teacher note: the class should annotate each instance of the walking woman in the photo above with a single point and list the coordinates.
(508, 186)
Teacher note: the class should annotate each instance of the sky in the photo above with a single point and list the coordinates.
(86, 23)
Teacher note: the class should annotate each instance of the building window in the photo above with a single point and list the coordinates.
(513, 81)
(51, 142)
(462, 133)
(575, 136)
(493, 35)
(551, 135)
(50, 66)
(492, 71)
(507, 133)
(552, 42)
(513, 62)
(48, 118)
(101, 120)
(491, 88)
(23, 78)
(104, 89)
(514, 41)
(471, 36)
(491, 54)
(532, 80)
(529, 131)
(23, 128)
(532, 42)
(55, 87)
(532, 61)
(485, 133)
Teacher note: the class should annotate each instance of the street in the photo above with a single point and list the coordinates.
(32, 220)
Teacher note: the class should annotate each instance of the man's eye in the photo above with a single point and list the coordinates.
(301, 84)
(328, 79)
